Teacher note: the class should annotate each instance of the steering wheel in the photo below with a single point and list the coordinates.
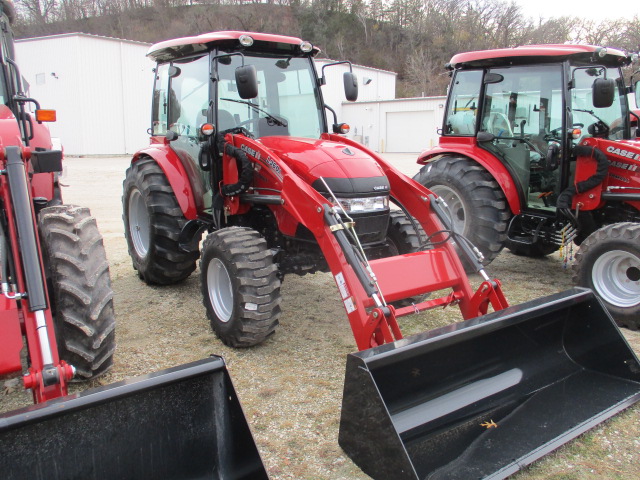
(499, 125)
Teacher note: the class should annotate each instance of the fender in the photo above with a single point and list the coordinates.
(176, 174)
(468, 147)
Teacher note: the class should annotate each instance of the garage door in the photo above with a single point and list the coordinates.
(410, 132)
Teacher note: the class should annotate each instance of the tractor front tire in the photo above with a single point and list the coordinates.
(153, 221)
(608, 262)
(476, 204)
(79, 287)
(240, 286)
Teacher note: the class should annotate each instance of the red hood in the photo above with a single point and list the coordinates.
(313, 158)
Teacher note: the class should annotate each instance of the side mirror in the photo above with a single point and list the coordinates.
(603, 90)
(636, 87)
(247, 81)
(350, 86)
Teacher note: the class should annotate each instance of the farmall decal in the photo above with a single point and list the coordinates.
(624, 154)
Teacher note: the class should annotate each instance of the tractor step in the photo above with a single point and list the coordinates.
(484, 397)
(182, 423)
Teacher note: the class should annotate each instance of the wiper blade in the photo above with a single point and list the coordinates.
(276, 120)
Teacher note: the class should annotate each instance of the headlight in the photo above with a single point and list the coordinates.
(368, 204)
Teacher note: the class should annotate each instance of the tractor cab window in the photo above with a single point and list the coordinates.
(188, 96)
(160, 103)
(287, 101)
(522, 109)
(460, 118)
(609, 122)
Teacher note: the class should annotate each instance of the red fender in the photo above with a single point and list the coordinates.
(467, 147)
(177, 176)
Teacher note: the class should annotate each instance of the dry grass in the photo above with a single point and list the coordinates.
(291, 386)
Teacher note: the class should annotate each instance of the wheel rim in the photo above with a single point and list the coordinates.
(220, 290)
(139, 226)
(616, 278)
(455, 206)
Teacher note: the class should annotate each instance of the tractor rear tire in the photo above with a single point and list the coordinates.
(240, 286)
(79, 287)
(153, 221)
(476, 204)
(608, 262)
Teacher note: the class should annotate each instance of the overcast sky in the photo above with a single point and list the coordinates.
(591, 9)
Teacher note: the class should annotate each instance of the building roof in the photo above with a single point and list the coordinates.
(80, 34)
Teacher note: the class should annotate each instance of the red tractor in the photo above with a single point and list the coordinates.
(56, 291)
(240, 149)
(537, 153)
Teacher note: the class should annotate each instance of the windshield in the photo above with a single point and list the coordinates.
(287, 101)
(586, 115)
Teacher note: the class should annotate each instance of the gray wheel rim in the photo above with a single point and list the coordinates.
(455, 206)
(220, 290)
(614, 277)
(139, 226)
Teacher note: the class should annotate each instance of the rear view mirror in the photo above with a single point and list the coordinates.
(603, 90)
(636, 86)
(247, 81)
(350, 86)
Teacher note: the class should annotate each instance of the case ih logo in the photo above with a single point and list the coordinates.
(624, 154)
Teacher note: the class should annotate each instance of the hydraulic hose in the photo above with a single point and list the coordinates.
(245, 175)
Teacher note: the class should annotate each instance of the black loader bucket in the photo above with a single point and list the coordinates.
(181, 423)
(483, 398)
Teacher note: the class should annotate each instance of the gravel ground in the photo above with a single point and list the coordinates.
(291, 386)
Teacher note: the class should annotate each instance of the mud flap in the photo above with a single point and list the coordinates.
(484, 397)
(182, 423)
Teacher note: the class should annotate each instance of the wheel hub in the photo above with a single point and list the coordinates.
(220, 289)
(616, 278)
(455, 206)
(139, 225)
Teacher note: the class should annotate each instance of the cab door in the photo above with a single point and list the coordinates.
(188, 109)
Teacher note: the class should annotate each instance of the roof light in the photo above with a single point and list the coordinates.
(601, 52)
(245, 40)
(306, 47)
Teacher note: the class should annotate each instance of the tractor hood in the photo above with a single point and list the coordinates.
(346, 169)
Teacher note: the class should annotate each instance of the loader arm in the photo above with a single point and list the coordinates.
(363, 290)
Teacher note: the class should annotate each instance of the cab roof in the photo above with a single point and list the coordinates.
(263, 42)
(539, 54)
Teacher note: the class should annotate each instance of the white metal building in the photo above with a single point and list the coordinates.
(101, 88)
(405, 125)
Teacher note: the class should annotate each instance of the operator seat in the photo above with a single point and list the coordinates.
(225, 121)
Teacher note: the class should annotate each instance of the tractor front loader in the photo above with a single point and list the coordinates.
(241, 151)
(56, 297)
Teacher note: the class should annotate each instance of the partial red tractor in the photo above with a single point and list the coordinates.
(56, 296)
(537, 153)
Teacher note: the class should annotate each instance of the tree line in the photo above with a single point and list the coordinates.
(414, 38)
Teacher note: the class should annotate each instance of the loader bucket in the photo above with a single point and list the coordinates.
(181, 423)
(484, 397)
